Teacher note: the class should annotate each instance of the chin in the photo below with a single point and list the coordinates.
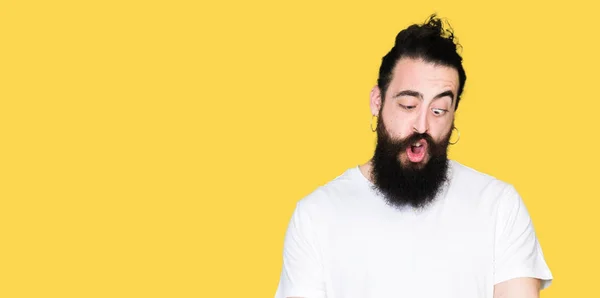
(418, 165)
(405, 162)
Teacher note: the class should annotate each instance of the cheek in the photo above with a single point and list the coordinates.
(397, 127)
(441, 130)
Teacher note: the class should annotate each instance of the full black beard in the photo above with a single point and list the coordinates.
(408, 185)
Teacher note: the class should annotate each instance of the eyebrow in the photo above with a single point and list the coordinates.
(420, 95)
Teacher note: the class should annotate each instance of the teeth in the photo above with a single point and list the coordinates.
(418, 145)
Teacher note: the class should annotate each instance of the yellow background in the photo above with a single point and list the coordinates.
(158, 148)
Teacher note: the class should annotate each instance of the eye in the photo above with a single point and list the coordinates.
(407, 107)
(439, 112)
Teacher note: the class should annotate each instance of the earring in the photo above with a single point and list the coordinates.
(458, 132)
(373, 129)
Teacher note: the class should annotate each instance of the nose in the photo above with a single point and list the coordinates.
(421, 125)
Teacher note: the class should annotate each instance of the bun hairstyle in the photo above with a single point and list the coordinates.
(429, 41)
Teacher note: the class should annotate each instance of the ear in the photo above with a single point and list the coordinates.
(375, 101)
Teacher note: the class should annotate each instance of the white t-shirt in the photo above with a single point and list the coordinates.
(345, 241)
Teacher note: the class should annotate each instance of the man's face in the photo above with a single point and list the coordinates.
(414, 127)
(420, 99)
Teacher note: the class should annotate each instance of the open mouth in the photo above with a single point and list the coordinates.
(416, 151)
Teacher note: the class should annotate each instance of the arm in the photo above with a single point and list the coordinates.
(524, 287)
(520, 268)
(301, 275)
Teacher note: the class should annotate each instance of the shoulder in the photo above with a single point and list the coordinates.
(335, 194)
(469, 174)
(481, 185)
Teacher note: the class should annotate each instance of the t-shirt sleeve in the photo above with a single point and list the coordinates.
(302, 272)
(518, 252)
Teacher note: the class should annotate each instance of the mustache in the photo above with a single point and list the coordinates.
(398, 145)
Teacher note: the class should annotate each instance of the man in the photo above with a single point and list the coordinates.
(409, 222)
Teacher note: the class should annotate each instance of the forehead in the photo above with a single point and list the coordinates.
(423, 76)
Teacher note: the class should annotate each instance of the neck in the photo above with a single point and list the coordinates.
(366, 169)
